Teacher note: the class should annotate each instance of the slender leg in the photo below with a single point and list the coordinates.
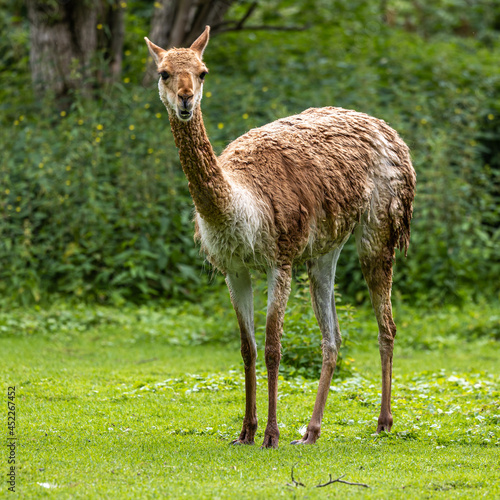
(321, 277)
(278, 291)
(240, 289)
(377, 270)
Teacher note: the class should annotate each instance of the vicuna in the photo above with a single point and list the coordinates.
(290, 192)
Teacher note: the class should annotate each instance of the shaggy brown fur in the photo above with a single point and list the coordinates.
(207, 186)
(317, 173)
(290, 192)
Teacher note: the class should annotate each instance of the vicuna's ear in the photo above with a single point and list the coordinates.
(201, 42)
(155, 51)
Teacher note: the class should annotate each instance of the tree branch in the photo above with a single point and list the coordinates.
(226, 26)
(294, 482)
(339, 480)
(263, 27)
(248, 13)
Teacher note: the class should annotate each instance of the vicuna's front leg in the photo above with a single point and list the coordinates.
(240, 289)
(278, 291)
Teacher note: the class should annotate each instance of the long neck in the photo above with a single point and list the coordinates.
(208, 187)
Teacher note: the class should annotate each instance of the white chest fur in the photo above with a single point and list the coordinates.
(244, 239)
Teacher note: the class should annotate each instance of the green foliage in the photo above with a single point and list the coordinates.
(451, 326)
(94, 203)
(94, 207)
(436, 18)
(181, 324)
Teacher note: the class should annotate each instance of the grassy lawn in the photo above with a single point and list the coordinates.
(105, 409)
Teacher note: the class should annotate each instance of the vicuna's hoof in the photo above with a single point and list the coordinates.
(308, 438)
(247, 433)
(303, 441)
(270, 442)
(239, 441)
(384, 423)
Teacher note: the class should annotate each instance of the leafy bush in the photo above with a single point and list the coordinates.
(93, 207)
(94, 203)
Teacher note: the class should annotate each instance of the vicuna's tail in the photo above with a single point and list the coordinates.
(401, 209)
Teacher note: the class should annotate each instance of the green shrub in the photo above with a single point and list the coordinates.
(93, 207)
(104, 213)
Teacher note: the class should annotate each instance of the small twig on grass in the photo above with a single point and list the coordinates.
(294, 482)
(339, 480)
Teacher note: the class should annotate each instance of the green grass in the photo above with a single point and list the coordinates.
(105, 410)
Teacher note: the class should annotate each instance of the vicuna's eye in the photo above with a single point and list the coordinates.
(164, 75)
(203, 75)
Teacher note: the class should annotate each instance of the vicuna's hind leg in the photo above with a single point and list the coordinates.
(321, 278)
(376, 254)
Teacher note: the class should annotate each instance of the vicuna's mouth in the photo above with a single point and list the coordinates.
(184, 114)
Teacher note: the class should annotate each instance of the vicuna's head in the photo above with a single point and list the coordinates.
(181, 75)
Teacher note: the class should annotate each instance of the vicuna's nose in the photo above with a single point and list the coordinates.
(185, 98)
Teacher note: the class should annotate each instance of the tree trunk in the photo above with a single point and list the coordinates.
(177, 23)
(110, 41)
(69, 40)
